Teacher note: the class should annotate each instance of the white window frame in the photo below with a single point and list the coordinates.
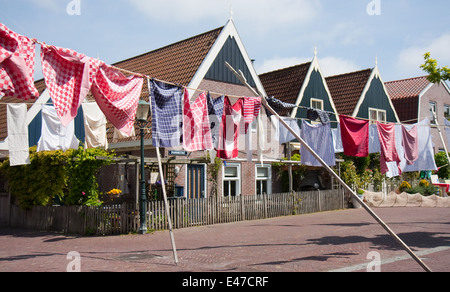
(435, 105)
(377, 111)
(318, 101)
(228, 179)
(268, 179)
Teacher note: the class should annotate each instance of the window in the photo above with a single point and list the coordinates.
(377, 115)
(317, 104)
(433, 110)
(446, 111)
(263, 179)
(231, 180)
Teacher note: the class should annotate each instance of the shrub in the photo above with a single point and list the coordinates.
(67, 177)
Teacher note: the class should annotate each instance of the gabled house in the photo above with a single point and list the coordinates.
(303, 85)
(415, 99)
(362, 95)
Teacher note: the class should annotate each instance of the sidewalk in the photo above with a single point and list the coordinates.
(331, 241)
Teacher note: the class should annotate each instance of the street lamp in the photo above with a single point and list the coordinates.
(141, 118)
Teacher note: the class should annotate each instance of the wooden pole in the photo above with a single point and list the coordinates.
(169, 220)
(330, 170)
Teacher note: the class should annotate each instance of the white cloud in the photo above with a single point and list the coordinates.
(260, 15)
(410, 59)
(335, 66)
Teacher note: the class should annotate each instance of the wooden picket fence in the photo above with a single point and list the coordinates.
(123, 219)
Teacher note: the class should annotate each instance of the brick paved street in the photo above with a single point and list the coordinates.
(331, 241)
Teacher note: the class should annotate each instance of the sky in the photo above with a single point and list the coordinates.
(349, 35)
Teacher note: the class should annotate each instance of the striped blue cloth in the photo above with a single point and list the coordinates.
(320, 139)
(167, 114)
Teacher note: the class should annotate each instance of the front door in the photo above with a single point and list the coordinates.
(196, 181)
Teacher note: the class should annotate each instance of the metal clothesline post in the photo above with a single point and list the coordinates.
(241, 77)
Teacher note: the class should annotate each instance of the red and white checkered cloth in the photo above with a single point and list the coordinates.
(69, 76)
(16, 65)
(196, 127)
(118, 97)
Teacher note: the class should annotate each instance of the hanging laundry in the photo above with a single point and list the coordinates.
(118, 97)
(278, 105)
(386, 134)
(320, 139)
(19, 148)
(167, 114)
(54, 136)
(17, 54)
(196, 125)
(426, 160)
(251, 108)
(229, 130)
(315, 114)
(337, 139)
(355, 136)
(68, 76)
(94, 126)
(281, 133)
(374, 139)
(215, 112)
(410, 142)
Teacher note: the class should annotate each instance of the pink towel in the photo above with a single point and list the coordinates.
(196, 126)
(16, 65)
(386, 133)
(355, 136)
(410, 142)
(68, 76)
(118, 97)
(251, 107)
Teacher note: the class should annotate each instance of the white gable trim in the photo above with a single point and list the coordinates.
(375, 73)
(315, 65)
(228, 31)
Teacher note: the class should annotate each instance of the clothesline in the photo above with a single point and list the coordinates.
(152, 78)
(195, 89)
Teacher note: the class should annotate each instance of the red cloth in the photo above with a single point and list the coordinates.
(16, 65)
(388, 153)
(118, 97)
(355, 136)
(196, 126)
(229, 129)
(69, 76)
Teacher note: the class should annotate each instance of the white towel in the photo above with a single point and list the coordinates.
(19, 148)
(94, 126)
(54, 135)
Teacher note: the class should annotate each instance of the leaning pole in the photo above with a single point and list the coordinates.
(241, 77)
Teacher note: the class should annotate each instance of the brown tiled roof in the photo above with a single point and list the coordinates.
(406, 88)
(347, 89)
(285, 84)
(405, 96)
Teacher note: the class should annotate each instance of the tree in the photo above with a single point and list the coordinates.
(436, 74)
